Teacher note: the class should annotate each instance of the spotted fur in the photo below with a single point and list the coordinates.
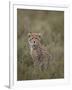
(38, 52)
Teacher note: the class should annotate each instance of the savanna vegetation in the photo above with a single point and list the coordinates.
(51, 25)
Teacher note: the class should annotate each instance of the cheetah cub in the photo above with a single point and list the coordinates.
(38, 52)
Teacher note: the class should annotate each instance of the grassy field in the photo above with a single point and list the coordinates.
(51, 25)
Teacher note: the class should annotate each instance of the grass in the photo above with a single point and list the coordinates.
(51, 25)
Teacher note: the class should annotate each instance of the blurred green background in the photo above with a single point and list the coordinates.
(51, 25)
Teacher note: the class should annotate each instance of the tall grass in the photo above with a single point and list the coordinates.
(51, 25)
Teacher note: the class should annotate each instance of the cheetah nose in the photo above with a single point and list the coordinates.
(34, 41)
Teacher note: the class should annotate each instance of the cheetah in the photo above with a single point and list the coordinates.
(38, 52)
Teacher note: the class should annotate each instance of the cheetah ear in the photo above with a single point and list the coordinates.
(40, 34)
(29, 34)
